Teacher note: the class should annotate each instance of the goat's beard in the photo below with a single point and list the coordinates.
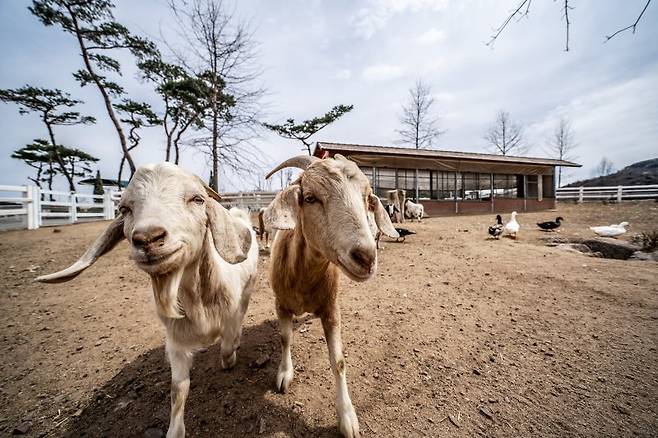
(165, 292)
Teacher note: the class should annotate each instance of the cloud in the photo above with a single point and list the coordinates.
(374, 17)
(343, 74)
(432, 36)
(382, 72)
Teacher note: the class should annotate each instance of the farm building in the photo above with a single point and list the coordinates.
(449, 182)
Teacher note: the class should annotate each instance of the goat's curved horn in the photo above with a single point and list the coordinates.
(300, 161)
(103, 244)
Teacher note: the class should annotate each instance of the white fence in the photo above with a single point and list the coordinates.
(31, 207)
(250, 201)
(608, 193)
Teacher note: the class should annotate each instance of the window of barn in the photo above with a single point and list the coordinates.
(443, 185)
(505, 186)
(424, 184)
(476, 187)
(485, 187)
(548, 186)
(407, 181)
(385, 181)
(531, 181)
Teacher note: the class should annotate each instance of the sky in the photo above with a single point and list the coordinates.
(368, 53)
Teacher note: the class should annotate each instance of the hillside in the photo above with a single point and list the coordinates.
(640, 173)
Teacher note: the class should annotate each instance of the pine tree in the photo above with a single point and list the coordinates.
(97, 33)
(47, 104)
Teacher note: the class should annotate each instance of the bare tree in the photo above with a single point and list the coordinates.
(506, 136)
(604, 168)
(522, 10)
(562, 144)
(418, 124)
(221, 50)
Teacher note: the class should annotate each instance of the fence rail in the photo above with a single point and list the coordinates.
(607, 193)
(31, 207)
(250, 201)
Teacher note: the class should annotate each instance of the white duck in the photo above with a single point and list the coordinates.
(512, 227)
(613, 230)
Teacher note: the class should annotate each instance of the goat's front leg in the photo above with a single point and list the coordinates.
(348, 422)
(180, 360)
(286, 371)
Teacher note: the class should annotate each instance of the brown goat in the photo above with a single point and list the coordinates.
(325, 218)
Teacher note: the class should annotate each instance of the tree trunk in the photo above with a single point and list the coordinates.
(101, 88)
(123, 160)
(50, 180)
(215, 138)
(58, 157)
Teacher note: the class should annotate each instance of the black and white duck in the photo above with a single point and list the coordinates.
(551, 225)
(497, 230)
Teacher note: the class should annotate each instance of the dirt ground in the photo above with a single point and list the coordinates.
(456, 336)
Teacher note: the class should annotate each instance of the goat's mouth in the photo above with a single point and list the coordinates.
(150, 259)
(355, 271)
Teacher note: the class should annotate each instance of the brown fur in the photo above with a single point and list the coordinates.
(325, 218)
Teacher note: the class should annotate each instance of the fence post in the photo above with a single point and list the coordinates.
(581, 190)
(73, 209)
(619, 193)
(32, 218)
(37, 206)
(108, 206)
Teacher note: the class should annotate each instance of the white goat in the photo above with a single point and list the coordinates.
(413, 210)
(202, 262)
(325, 218)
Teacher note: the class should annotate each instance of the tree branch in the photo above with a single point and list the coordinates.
(632, 26)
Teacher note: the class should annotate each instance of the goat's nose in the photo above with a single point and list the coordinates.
(153, 235)
(363, 256)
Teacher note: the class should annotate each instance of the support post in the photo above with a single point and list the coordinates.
(525, 192)
(620, 191)
(491, 187)
(417, 188)
(32, 217)
(581, 191)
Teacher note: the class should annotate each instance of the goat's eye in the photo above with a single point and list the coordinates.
(309, 199)
(197, 199)
(124, 210)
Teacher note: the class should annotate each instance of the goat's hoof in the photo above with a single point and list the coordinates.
(349, 424)
(283, 380)
(229, 362)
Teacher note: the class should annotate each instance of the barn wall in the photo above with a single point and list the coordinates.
(501, 205)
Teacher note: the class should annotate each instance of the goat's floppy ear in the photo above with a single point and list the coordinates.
(232, 237)
(381, 217)
(103, 244)
(282, 213)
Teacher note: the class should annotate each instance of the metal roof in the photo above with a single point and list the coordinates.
(432, 153)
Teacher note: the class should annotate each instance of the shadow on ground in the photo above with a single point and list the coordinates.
(235, 403)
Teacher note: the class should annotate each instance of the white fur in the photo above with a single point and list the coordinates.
(413, 210)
